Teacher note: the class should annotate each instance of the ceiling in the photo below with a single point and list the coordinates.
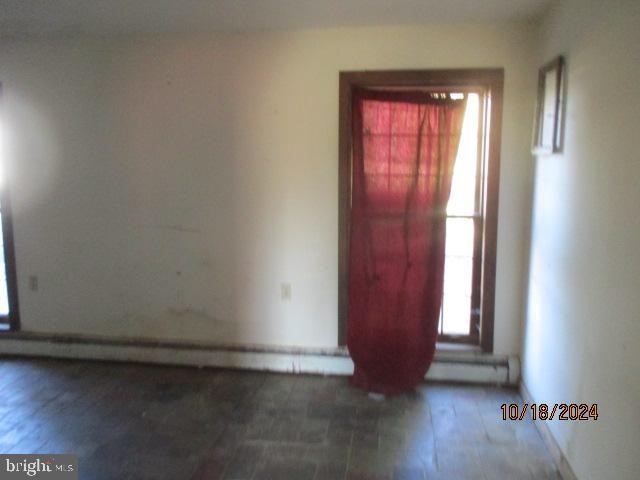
(38, 17)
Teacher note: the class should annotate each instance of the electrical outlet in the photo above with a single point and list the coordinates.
(285, 291)
(33, 283)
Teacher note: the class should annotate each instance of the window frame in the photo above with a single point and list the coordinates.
(12, 320)
(490, 82)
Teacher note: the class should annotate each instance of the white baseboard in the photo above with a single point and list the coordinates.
(565, 470)
(447, 366)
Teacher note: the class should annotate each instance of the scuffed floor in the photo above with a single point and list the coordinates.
(151, 422)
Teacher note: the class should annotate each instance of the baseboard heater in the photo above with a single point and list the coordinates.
(452, 365)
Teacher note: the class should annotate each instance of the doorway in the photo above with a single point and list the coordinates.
(9, 315)
(466, 316)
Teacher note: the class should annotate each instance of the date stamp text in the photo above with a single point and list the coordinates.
(543, 411)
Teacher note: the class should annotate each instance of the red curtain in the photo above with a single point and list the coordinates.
(404, 148)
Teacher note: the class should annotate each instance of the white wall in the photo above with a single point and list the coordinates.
(583, 317)
(164, 187)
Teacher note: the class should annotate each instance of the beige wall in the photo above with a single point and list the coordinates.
(166, 186)
(583, 317)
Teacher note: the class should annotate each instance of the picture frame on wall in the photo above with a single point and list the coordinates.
(548, 125)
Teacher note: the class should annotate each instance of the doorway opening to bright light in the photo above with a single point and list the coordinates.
(9, 315)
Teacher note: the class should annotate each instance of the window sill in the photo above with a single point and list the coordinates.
(457, 347)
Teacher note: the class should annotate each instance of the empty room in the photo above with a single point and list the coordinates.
(319, 239)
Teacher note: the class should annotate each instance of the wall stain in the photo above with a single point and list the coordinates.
(174, 228)
(207, 263)
(191, 312)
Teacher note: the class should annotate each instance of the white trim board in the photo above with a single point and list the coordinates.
(447, 366)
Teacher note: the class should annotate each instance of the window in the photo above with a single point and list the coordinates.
(9, 318)
(468, 301)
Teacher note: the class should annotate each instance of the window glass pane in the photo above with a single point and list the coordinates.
(458, 270)
(463, 188)
(549, 108)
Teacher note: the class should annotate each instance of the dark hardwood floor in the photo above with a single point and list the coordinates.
(149, 422)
